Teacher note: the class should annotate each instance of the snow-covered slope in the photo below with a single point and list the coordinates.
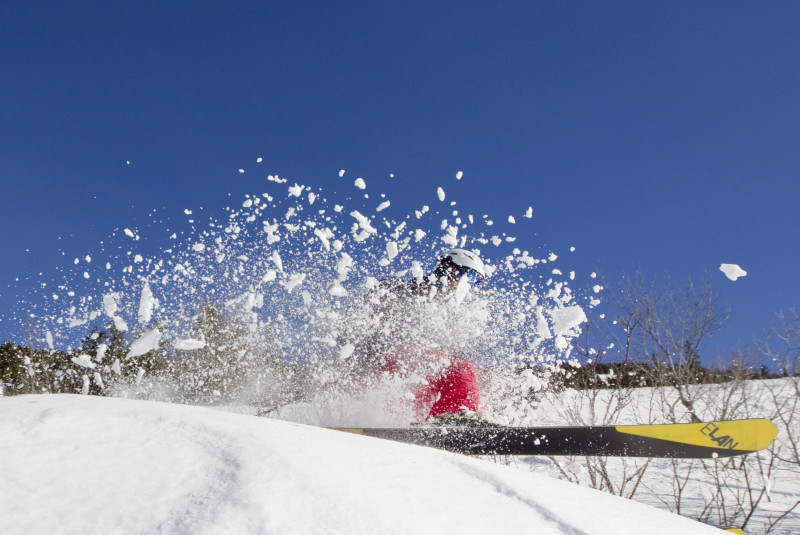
(84, 464)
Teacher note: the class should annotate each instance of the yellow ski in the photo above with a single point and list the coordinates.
(693, 440)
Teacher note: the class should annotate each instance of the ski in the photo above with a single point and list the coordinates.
(686, 441)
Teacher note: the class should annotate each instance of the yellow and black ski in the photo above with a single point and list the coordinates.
(687, 441)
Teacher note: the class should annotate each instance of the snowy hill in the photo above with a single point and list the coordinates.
(85, 464)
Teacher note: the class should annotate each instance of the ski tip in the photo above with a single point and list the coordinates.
(729, 437)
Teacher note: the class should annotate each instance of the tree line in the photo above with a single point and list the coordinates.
(226, 363)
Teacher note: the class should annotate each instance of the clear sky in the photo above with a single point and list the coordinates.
(660, 136)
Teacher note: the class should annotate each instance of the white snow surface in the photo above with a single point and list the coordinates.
(85, 464)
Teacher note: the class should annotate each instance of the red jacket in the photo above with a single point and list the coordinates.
(452, 383)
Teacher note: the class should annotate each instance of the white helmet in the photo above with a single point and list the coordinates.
(461, 262)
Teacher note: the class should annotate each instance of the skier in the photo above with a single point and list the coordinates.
(402, 329)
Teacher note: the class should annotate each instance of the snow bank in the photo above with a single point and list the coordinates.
(76, 464)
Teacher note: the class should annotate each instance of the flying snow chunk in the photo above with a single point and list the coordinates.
(120, 324)
(343, 266)
(337, 290)
(341, 173)
(459, 175)
(296, 190)
(732, 271)
(276, 259)
(147, 303)
(129, 233)
(383, 206)
(241, 170)
(110, 304)
(567, 318)
(324, 236)
(346, 351)
(360, 184)
(529, 212)
(189, 344)
(391, 250)
(363, 222)
(440, 193)
(294, 281)
(147, 342)
(84, 361)
(101, 352)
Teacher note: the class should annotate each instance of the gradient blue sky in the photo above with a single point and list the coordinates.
(660, 136)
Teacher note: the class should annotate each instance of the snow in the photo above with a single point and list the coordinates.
(337, 290)
(147, 342)
(732, 271)
(296, 190)
(567, 318)
(110, 304)
(84, 361)
(146, 304)
(391, 250)
(276, 259)
(293, 276)
(189, 344)
(86, 464)
(363, 223)
(343, 266)
(346, 351)
(294, 280)
(101, 352)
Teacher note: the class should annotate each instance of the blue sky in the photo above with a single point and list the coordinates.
(659, 136)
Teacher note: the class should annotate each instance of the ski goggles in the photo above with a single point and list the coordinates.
(473, 277)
